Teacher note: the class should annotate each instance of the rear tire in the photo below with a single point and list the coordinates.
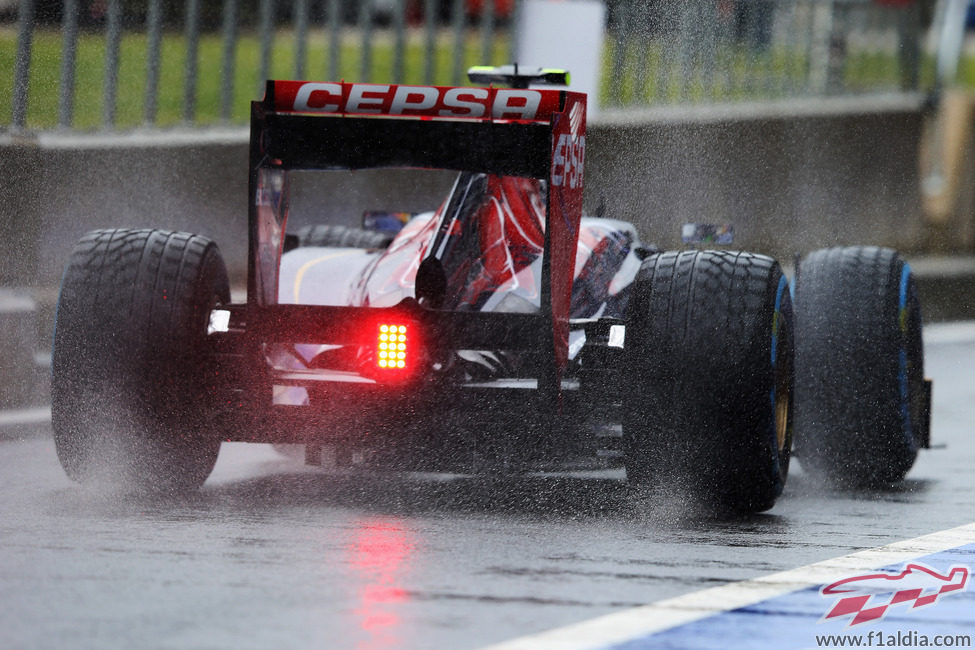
(708, 410)
(861, 399)
(130, 375)
(342, 237)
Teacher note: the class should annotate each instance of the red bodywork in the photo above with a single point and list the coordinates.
(509, 229)
(518, 137)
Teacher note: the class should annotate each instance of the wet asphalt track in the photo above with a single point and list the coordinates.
(273, 555)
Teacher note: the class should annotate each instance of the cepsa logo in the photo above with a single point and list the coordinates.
(432, 101)
(570, 152)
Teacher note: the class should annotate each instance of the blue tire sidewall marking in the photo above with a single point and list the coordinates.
(776, 324)
(902, 323)
(776, 318)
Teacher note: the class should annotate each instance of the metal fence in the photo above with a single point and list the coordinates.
(717, 51)
(145, 64)
(83, 64)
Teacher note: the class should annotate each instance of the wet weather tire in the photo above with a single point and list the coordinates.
(130, 377)
(708, 408)
(342, 237)
(861, 410)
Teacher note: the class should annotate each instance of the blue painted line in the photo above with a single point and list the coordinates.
(795, 620)
(787, 610)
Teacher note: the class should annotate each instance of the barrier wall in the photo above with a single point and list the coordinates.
(791, 177)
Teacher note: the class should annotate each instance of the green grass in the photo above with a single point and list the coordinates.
(966, 72)
(655, 74)
(131, 95)
(651, 73)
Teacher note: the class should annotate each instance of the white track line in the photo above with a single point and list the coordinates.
(640, 622)
(27, 416)
(945, 333)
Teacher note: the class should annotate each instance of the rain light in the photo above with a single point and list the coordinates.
(391, 346)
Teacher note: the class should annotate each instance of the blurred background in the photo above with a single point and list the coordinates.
(805, 123)
(89, 64)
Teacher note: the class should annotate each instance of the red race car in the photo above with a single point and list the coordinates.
(498, 331)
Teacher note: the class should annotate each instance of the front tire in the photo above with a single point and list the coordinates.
(130, 377)
(709, 406)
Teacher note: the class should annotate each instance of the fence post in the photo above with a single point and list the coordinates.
(908, 35)
(267, 36)
(25, 35)
(69, 53)
(229, 37)
(399, 40)
(334, 39)
(365, 31)
(154, 37)
(457, 26)
(113, 38)
(487, 32)
(301, 35)
(837, 46)
(192, 51)
(623, 23)
(950, 26)
(801, 79)
(514, 29)
(430, 18)
(819, 51)
(688, 46)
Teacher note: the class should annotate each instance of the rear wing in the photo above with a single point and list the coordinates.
(495, 130)
(505, 131)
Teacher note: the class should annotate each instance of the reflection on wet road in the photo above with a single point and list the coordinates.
(271, 554)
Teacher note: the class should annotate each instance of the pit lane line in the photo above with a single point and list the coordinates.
(636, 627)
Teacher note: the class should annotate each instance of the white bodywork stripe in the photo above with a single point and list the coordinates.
(300, 275)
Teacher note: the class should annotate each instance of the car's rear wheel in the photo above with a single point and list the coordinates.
(862, 403)
(710, 351)
(130, 380)
(339, 236)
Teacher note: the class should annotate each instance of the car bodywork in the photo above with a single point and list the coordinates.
(475, 301)
(499, 331)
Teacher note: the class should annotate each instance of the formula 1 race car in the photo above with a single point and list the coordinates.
(500, 331)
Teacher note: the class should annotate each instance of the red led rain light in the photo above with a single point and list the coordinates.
(392, 347)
